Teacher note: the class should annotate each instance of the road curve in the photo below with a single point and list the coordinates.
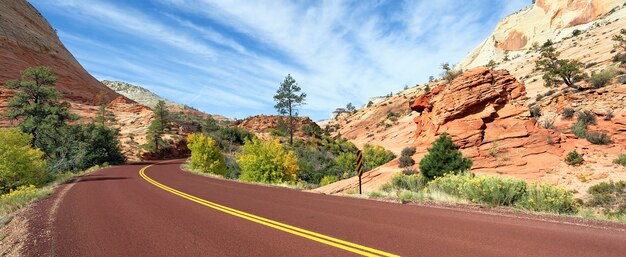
(169, 212)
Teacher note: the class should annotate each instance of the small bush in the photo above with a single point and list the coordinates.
(408, 151)
(609, 115)
(535, 111)
(375, 194)
(547, 198)
(538, 97)
(602, 78)
(579, 130)
(599, 138)
(406, 161)
(481, 188)
(375, 156)
(586, 118)
(406, 158)
(574, 158)
(576, 32)
(609, 196)
(568, 113)
(267, 162)
(406, 196)
(205, 155)
(328, 179)
(235, 135)
(443, 156)
(414, 182)
(20, 165)
(312, 130)
(621, 160)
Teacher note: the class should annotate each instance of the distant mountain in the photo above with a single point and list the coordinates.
(150, 99)
(136, 93)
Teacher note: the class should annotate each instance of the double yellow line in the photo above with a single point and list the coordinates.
(327, 240)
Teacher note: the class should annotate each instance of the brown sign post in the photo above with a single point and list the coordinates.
(359, 166)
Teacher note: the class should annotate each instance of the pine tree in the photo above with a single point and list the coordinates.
(350, 107)
(288, 98)
(559, 70)
(159, 126)
(443, 157)
(36, 104)
(103, 116)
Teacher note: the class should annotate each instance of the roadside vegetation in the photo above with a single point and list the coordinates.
(45, 149)
(312, 160)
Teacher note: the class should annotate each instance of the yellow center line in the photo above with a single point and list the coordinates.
(331, 241)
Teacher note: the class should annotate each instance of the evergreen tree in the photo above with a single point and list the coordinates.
(288, 98)
(36, 104)
(210, 125)
(103, 116)
(443, 156)
(159, 126)
(350, 107)
(559, 70)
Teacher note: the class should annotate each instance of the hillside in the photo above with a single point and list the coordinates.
(486, 111)
(545, 20)
(28, 40)
(148, 98)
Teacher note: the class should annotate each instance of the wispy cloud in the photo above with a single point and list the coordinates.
(229, 56)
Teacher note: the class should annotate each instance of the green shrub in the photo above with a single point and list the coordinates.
(408, 151)
(79, 147)
(375, 194)
(610, 197)
(328, 179)
(315, 163)
(267, 162)
(574, 158)
(235, 135)
(443, 156)
(20, 165)
(568, 113)
(406, 158)
(547, 198)
(621, 160)
(406, 161)
(205, 155)
(346, 163)
(414, 182)
(311, 130)
(491, 190)
(576, 32)
(579, 129)
(375, 156)
(406, 196)
(538, 97)
(586, 118)
(535, 111)
(602, 78)
(597, 138)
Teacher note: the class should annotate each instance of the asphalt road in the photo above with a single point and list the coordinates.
(168, 212)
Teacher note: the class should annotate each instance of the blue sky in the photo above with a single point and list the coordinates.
(229, 57)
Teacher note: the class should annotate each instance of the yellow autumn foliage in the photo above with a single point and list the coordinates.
(267, 161)
(205, 155)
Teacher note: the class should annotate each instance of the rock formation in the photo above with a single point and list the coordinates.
(545, 20)
(263, 123)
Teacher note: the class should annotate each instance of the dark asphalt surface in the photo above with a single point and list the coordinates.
(115, 212)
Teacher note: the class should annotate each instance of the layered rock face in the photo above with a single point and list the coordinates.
(466, 106)
(546, 19)
(27, 40)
